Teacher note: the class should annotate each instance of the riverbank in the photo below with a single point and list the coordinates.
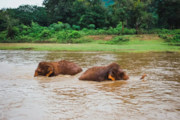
(135, 44)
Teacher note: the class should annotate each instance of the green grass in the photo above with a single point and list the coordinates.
(136, 44)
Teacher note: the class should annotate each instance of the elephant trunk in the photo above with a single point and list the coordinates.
(36, 73)
(125, 77)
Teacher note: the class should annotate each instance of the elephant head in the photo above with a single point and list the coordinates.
(116, 73)
(44, 69)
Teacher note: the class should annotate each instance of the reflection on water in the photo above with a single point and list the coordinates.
(23, 97)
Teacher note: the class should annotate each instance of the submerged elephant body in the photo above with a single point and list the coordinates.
(55, 68)
(102, 73)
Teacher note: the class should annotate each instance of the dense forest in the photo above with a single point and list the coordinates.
(66, 19)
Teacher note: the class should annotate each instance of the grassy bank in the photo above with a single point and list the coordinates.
(136, 43)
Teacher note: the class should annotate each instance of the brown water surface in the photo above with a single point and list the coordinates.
(23, 97)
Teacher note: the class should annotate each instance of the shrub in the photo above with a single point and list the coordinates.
(23, 27)
(52, 30)
(82, 40)
(164, 31)
(24, 32)
(33, 34)
(176, 38)
(163, 36)
(176, 31)
(101, 32)
(155, 31)
(117, 40)
(129, 31)
(85, 29)
(91, 26)
(24, 39)
(105, 28)
(62, 37)
(74, 34)
(36, 28)
(67, 26)
(112, 31)
(142, 31)
(3, 35)
(75, 27)
(45, 34)
(58, 27)
(15, 30)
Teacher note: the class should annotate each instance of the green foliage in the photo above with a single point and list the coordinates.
(112, 31)
(176, 31)
(168, 12)
(67, 26)
(84, 29)
(163, 36)
(101, 32)
(25, 39)
(35, 27)
(24, 32)
(28, 13)
(121, 17)
(15, 30)
(62, 36)
(10, 24)
(45, 34)
(3, 36)
(118, 40)
(82, 40)
(155, 31)
(74, 34)
(174, 39)
(56, 27)
(165, 31)
(67, 36)
(91, 26)
(76, 27)
(129, 31)
(120, 11)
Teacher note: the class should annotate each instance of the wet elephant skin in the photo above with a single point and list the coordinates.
(55, 68)
(102, 73)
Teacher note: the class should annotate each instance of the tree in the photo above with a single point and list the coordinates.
(95, 13)
(28, 13)
(120, 10)
(2, 22)
(137, 12)
(59, 10)
(10, 23)
(76, 12)
(169, 12)
(140, 13)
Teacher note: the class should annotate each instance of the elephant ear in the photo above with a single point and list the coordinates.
(111, 74)
(49, 69)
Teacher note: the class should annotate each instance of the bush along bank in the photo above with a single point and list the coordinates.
(64, 33)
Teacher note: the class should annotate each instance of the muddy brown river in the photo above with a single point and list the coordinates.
(64, 97)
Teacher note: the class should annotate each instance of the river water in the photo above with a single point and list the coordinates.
(64, 97)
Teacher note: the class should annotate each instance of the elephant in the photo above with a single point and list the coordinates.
(101, 73)
(50, 69)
